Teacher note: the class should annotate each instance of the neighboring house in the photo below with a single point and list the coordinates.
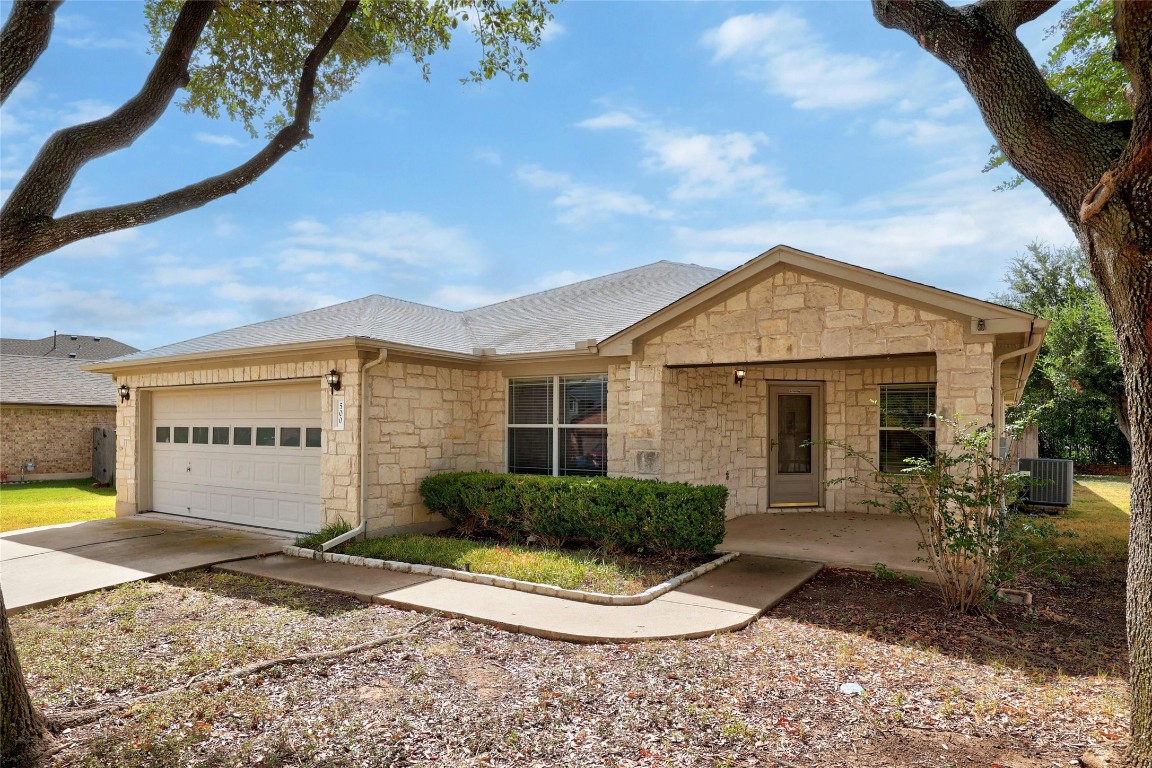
(636, 373)
(49, 404)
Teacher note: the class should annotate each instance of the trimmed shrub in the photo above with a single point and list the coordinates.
(616, 513)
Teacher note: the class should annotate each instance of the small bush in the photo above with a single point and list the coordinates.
(616, 513)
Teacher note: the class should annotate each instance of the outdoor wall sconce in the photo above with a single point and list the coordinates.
(739, 376)
(333, 379)
(124, 393)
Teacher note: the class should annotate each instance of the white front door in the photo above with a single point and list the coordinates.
(794, 471)
(244, 454)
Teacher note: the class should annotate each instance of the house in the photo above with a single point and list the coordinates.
(49, 404)
(669, 371)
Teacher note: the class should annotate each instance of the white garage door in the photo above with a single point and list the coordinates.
(247, 455)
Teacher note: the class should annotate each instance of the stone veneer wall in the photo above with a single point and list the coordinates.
(339, 463)
(711, 418)
(58, 439)
(692, 423)
(425, 419)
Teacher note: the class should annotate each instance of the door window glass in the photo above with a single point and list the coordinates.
(200, 435)
(219, 435)
(179, 434)
(265, 435)
(242, 435)
(289, 437)
(163, 434)
(312, 437)
(794, 455)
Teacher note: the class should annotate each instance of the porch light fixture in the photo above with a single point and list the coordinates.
(124, 393)
(738, 377)
(333, 379)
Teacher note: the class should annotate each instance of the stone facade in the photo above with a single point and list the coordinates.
(57, 438)
(424, 419)
(675, 412)
(339, 463)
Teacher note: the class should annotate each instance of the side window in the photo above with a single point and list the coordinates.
(907, 430)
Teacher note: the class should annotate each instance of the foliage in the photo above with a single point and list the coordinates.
(1080, 66)
(27, 505)
(618, 513)
(253, 51)
(1075, 393)
(959, 501)
(590, 570)
(327, 533)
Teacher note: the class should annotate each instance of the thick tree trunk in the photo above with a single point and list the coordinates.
(1100, 178)
(24, 736)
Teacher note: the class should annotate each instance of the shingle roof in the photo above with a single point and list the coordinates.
(551, 320)
(66, 346)
(52, 381)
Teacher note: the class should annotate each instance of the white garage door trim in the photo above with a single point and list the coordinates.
(248, 455)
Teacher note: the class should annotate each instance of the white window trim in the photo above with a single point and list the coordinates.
(556, 426)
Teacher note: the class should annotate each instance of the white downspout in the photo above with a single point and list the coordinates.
(997, 398)
(364, 399)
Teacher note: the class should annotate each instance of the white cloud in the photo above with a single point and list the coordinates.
(120, 243)
(708, 165)
(579, 203)
(488, 155)
(268, 301)
(553, 31)
(217, 139)
(374, 238)
(171, 274)
(780, 50)
(950, 230)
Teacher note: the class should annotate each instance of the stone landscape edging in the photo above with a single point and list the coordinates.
(597, 598)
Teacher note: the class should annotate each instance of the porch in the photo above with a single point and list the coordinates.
(838, 539)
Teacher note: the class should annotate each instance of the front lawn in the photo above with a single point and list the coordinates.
(592, 571)
(27, 505)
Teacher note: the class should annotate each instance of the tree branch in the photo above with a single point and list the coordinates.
(38, 194)
(23, 39)
(1014, 14)
(45, 236)
(1044, 137)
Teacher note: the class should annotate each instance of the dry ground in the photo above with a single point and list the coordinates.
(940, 690)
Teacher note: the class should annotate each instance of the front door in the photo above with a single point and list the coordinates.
(794, 471)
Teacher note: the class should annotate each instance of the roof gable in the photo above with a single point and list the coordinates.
(996, 318)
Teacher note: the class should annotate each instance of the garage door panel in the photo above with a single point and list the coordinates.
(270, 485)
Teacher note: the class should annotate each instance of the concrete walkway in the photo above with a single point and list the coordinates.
(726, 599)
(48, 564)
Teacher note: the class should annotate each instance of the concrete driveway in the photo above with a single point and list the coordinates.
(41, 566)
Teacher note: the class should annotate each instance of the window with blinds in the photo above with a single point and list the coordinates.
(907, 430)
(557, 425)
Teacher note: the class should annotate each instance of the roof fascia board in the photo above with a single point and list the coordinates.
(783, 257)
(355, 344)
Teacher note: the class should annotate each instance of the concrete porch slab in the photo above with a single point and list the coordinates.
(838, 539)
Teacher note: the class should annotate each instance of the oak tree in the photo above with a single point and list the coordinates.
(263, 64)
(1096, 168)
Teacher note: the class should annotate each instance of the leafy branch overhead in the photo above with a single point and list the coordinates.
(264, 65)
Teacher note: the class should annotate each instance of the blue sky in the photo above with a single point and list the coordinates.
(700, 132)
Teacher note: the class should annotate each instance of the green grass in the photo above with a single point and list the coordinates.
(27, 505)
(569, 569)
(1100, 516)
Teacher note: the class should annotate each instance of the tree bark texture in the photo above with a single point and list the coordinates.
(23, 39)
(1099, 176)
(24, 736)
(28, 227)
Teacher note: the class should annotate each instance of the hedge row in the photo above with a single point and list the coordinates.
(617, 513)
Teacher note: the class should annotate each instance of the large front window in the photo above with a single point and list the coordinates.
(906, 428)
(557, 425)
